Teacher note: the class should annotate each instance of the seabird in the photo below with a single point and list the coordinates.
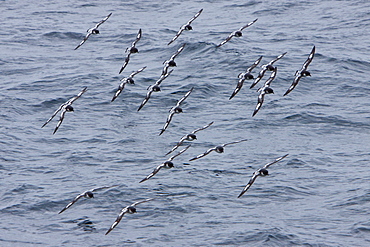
(130, 210)
(153, 88)
(168, 164)
(187, 26)
(266, 67)
(126, 80)
(86, 194)
(189, 137)
(175, 110)
(93, 30)
(245, 76)
(171, 62)
(303, 72)
(65, 107)
(131, 50)
(237, 33)
(260, 172)
(266, 89)
(218, 149)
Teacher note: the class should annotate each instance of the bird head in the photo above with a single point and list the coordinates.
(219, 149)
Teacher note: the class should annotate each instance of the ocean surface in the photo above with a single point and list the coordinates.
(318, 196)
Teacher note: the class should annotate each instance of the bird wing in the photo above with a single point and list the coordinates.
(260, 75)
(251, 181)
(72, 202)
(178, 144)
(277, 58)
(226, 144)
(182, 28)
(138, 37)
(174, 156)
(127, 59)
(102, 21)
(309, 59)
(177, 52)
(103, 187)
(194, 17)
(254, 65)
(119, 218)
(238, 87)
(70, 101)
(249, 24)
(147, 97)
(275, 161)
(185, 97)
(137, 72)
(204, 154)
(163, 76)
(202, 128)
(271, 78)
(83, 41)
(261, 97)
(60, 120)
(294, 84)
(155, 171)
(227, 39)
(54, 114)
(139, 202)
(120, 89)
(169, 118)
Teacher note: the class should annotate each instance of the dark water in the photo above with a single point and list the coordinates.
(318, 196)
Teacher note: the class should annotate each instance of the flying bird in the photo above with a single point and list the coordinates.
(245, 76)
(186, 26)
(86, 194)
(303, 72)
(93, 30)
(260, 172)
(65, 107)
(218, 149)
(126, 80)
(168, 164)
(175, 110)
(189, 137)
(153, 88)
(237, 33)
(130, 210)
(171, 62)
(130, 51)
(266, 67)
(266, 89)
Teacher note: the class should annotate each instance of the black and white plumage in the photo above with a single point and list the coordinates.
(303, 72)
(65, 107)
(186, 26)
(130, 210)
(130, 51)
(245, 76)
(86, 194)
(260, 172)
(189, 137)
(171, 62)
(93, 30)
(126, 80)
(168, 164)
(175, 110)
(217, 149)
(153, 88)
(266, 89)
(237, 33)
(266, 67)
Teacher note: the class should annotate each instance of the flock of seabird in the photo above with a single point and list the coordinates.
(247, 75)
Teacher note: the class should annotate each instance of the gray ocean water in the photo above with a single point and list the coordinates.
(318, 196)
